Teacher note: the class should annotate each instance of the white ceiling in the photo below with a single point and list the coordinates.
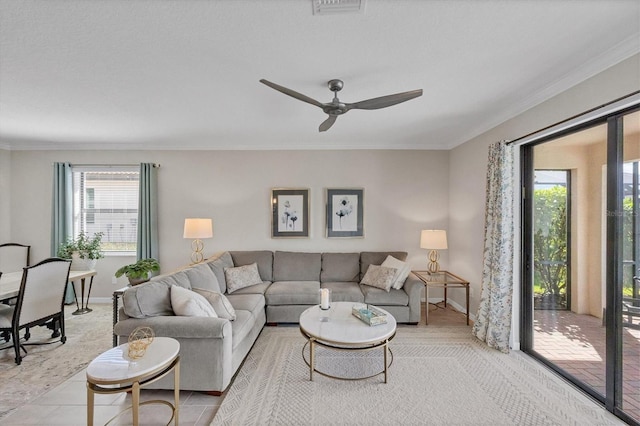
(184, 74)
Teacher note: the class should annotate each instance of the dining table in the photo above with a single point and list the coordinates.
(10, 287)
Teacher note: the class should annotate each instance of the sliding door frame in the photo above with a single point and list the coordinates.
(612, 400)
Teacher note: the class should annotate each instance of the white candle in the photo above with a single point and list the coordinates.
(324, 298)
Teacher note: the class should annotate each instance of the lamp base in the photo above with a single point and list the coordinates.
(433, 258)
(196, 256)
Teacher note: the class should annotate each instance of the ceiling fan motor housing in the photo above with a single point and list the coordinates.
(335, 85)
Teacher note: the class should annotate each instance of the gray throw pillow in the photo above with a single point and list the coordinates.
(201, 276)
(241, 277)
(220, 303)
(379, 276)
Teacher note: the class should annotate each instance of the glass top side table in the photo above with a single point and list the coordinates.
(445, 280)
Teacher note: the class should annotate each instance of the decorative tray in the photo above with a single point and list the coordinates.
(369, 314)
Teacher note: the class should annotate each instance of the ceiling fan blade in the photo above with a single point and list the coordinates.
(291, 93)
(326, 124)
(385, 101)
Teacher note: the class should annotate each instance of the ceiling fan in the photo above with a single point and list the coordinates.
(336, 108)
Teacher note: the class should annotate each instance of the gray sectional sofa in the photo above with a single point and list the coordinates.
(212, 349)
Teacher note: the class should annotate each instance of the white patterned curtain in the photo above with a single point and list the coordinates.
(493, 321)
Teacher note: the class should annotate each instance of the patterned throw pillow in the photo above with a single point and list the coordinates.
(241, 277)
(187, 303)
(402, 273)
(220, 303)
(379, 276)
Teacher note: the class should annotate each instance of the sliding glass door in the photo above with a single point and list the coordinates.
(581, 258)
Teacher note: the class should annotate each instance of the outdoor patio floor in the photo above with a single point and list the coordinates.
(576, 343)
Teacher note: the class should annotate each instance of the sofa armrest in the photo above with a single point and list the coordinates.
(178, 327)
(413, 287)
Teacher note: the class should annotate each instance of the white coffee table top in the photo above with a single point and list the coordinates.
(115, 366)
(337, 325)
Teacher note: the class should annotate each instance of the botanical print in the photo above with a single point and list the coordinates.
(345, 208)
(290, 213)
(345, 212)
(290, 209)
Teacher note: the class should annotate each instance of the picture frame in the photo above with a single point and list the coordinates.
(345, 212)
(290, 213)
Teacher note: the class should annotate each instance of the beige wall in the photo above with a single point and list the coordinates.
(405, 191)
(5, 195)
(467, 162)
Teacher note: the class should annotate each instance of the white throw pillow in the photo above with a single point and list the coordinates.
(219, 302)
(188, 303)
(402, 273)
(241, 277)
(379, 276)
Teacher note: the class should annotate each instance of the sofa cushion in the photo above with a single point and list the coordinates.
(219, 302)
(150, 299)
(187, 303)
(340, 267)
(263, 258)
(377, 296)
(241, 277)
(345, 291)
(402, 272)
(182, 279)
(247, 302)
(241, 327)
(293, 266)
(379, 276)
(217, 265)
(377, 257)
(293, 293)
(201, 276)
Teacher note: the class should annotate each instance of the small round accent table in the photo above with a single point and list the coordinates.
(114, 372)
(337, 328)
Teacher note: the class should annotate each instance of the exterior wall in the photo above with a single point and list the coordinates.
(404, 192)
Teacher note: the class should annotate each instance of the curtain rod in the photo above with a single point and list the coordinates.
(575, 116)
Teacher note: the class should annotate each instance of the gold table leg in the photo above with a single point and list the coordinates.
(89, 406)
(386, 367)
(176, 391)
(311, 358)
(135, 402)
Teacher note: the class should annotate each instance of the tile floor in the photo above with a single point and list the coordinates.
(66, 404)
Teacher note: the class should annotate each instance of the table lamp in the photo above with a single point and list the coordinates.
(434, 240)
(197, 229)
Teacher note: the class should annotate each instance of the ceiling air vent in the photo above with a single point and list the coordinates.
(332, 7)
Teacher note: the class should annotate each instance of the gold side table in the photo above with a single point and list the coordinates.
(445, 280)
(114, 372)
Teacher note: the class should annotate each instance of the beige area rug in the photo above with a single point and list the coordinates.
(47, 366)
(439, 376)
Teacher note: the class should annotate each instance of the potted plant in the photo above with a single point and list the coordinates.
(140, 271)
(84, 250)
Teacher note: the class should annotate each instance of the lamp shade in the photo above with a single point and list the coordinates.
(433, 239)
(198, 228)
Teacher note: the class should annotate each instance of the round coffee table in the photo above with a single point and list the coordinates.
(337, 328)
(114, 372)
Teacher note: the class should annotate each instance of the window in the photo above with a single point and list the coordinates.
(105, 199)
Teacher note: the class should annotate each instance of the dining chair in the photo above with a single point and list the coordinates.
(14, 257)
(40, 303)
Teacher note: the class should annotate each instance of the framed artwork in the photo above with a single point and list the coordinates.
(290, 213)
(345, 213)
